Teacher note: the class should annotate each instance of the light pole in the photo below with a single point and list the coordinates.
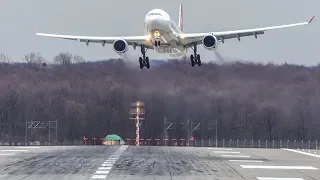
(216, 132)
(137, 111)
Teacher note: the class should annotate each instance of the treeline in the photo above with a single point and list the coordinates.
(249, 101)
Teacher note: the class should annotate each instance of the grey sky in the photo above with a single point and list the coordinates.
(297, 45)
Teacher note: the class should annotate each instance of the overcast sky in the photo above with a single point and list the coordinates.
(298, 45)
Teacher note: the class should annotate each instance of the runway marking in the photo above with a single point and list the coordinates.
(28, 147)
(106, 166)
(102, 172)
(8, 154)
(222, 149)
(226, 152)
(309, 154)
(109, 162)
(99, 176)
(276, 167)
(230, 155)
(14, 150)
(245, 161)
(277, 178)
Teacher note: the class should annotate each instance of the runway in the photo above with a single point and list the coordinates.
(165, 163)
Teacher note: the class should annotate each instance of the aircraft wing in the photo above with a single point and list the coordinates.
(131, 40)
(189, 39)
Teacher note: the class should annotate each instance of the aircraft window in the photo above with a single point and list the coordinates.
(155, 14)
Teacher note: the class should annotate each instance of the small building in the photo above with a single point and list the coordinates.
(113, 139)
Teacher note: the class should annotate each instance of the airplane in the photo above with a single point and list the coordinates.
(164, 36)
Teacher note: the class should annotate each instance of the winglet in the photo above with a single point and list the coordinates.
(311, 19)
(35, 30)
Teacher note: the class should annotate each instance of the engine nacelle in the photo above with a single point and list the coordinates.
(210, 42)
(120, 46)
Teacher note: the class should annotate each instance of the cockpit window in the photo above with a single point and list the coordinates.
(155, 14)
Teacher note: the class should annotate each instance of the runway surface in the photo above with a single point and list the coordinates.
(153, 163)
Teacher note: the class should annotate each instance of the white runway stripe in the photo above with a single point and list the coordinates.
(107, 165)
(305, 153)
(7, 154)
(226, 152)
(28, 147)
(276, 167)
(245, 161)
(278, 178)
(102, 172)
(238, 156)
(99, 176)
(15, 150)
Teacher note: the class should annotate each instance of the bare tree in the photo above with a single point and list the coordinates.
(35, 58)
(63, 58)
(4, 58)
(78, 59)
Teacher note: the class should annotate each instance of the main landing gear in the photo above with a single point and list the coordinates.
(144, 61)
(195, 58)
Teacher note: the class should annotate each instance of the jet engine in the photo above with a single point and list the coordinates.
(120, 46)
(210, 42)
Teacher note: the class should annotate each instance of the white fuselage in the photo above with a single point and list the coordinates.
(161, 28)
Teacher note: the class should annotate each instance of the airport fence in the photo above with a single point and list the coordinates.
(290, 144)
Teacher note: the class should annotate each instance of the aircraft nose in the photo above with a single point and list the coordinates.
(156, 22)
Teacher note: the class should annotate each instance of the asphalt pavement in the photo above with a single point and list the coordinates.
(153, 163)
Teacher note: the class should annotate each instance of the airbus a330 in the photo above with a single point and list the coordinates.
(163, 35)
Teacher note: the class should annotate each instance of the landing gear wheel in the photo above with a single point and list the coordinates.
(147, 62)
(141, 62)
(144, 61)
(156, 43)
(198, 60)
(192, 60)
(195, 58)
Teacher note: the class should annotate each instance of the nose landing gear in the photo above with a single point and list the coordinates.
(156, 43)
(195, 58)
(144, 61)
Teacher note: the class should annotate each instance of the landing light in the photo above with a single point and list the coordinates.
(156, 34)
(148, 37)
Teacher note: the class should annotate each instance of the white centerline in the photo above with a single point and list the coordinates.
(276, 167)
(278, 178)
(102, 172)
(107, 165)
(245, 161)
(99, 176)
(309, 154)
(230, 155)
(15, 150)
